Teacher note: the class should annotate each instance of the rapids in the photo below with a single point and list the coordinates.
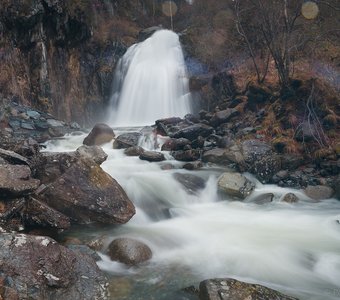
(293, 248)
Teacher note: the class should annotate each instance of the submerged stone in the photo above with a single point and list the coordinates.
(129, 251)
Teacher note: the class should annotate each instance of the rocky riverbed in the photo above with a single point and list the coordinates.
(45, 193)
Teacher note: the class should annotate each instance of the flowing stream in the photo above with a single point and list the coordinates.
(293, 248)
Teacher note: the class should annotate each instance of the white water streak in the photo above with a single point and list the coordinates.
(154, 82)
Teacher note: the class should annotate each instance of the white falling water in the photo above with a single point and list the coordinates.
(153, 82)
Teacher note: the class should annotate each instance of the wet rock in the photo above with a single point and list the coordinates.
(224, 156)
(59, 273)
(235, 185)
(283, 174)
(231, 289)
(85, 193)
(192, 132)
(93, 152)
(175, 144)
(97, 244)
(260, 159)
(13, 158)
(186, 155)
(223, 116)
(192, 183)
(168, 125)
(263, 198)
(85, 250)
(133, 151)
(129, 251)
(39, 214)
(290, 198)
(152, 156)
(99, 135)
(52, 165)
(9, 210)
(195, 165)
(127, 140)
(15, 181)
(319, 192)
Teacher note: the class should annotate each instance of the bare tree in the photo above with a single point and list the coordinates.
(273, 21)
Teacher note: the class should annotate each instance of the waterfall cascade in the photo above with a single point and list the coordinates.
(151, 82)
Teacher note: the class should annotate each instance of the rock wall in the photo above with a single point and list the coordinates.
(59, 56)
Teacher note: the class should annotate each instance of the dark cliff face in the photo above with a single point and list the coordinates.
(59, 56)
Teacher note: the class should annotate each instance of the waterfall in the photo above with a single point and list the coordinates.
(151, 82)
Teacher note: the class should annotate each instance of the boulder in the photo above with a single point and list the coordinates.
(95, 153)
(152, 156)
(168, 125)
(235, 185)
(192, 132)
(85, 193)
(192, 183)
(127, 140)
(225, 156)
(37, 267)
(52, 165)
(133, 151)
(260, 159)
(99, 135)
(129, 251)
(232, 289)
(15, 180)
(175, 144)
(290, 198)
(223, 116)
(319, 192)
(186, 155)
(39, 214)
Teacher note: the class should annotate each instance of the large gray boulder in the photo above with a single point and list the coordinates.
(232, 289)
(235, 185)
(129, 251)
(38, 268)
(85, 193)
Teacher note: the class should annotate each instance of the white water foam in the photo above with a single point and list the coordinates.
(294, 248)
(151, 82)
